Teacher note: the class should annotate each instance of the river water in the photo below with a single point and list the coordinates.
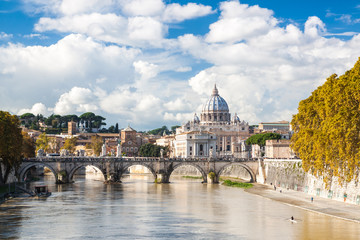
(141, 209)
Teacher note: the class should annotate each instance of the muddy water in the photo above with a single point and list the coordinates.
(140, 209)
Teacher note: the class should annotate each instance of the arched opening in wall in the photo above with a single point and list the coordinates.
(186, 173)
(138, 173)
(38, 173)
(87, 172)
(235, 172)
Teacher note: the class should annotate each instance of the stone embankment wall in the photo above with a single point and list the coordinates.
(288, 174)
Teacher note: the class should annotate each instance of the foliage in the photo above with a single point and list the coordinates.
(42, 142)
(27, 116)
(237, 184)
(96, 144)
(11, 141)
(28, 148)
(173, 128)
(260, 139)
(70, 144)
(327, 125)
(159, 131)
(193, 177)
(151, 150)
(212, 176)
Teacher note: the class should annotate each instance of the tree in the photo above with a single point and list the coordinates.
(116, 128)
(28, 148)
(111, 129)
(42, 142)
(96, 144)
(70, 144)
(150, 150)
(159, 131)
(327, 126)
(11, 143)
(260, 139)
(173, 128)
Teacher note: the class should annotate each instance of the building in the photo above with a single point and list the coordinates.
(194, 144)
(216, 118)
(274, 126)
(130, 141)
(279, 148)
(71, 128)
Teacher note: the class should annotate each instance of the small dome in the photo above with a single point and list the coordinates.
(216, 103)
(196, 118)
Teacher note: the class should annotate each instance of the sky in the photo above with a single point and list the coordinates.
(149, 63)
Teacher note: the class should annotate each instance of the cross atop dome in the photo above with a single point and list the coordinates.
(215, 92)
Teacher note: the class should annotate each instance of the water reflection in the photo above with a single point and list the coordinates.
(141, 209)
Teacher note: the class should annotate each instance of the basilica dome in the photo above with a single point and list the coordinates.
(216, 103)
(215, 109)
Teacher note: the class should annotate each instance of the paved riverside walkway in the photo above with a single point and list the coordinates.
(334, 208)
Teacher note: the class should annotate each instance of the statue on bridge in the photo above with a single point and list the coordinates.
(40, 153)
(103, 150)
(119, 150)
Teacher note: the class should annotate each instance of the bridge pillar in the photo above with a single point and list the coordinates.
(162, 178)
(212, 178)
(62, 177)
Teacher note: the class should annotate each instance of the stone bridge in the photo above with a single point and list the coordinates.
(64, 168)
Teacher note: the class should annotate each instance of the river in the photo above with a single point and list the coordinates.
(141, 209)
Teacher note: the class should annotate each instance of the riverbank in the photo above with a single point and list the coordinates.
(302, 200)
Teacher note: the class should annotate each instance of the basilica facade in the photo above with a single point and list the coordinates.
(215, 119)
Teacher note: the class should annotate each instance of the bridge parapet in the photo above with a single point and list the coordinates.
(134, 159)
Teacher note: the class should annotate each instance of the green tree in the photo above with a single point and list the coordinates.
(260, 139)
(173, 128)
(70, 144)
(327, 126)
(11, 143)
(151, 150)
(159, 131)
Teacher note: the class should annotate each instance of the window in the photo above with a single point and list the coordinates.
(129, 142)
(227, 147)
(190, 148)
(135, 149)
(211, 137)
(201, 148)
(190, 137)
(131, 149)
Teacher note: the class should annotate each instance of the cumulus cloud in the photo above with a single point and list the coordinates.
(76, 100)
(178, 13)
(117, 60)
(239, 22)
(37, 108)
(263, 73)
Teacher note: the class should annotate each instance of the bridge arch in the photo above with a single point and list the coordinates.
(25, 169)
(148, 166)
(175, 166)
(77, 167)
(247, 168)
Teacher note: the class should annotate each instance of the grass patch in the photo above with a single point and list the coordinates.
(237, 184)
(193, 177)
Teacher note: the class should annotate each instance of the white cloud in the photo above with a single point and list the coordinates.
(5, 36)
(146, 70)
(76, 100)
(178, 13)
(143, 7)
(37, 108)
(239, 22)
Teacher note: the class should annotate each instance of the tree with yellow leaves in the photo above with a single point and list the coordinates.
(327, 128)
(11, 143)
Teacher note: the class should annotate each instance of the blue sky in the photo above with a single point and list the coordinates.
(150, 63)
